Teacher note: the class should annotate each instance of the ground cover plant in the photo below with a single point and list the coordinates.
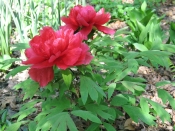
(82, 74)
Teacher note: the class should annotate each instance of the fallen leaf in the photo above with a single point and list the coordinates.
(128, 125)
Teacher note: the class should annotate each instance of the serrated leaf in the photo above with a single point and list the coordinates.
(86, 115)
(108, 127)
(16, 70)
(67, 77)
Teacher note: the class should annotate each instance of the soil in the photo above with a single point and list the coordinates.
(11, 99)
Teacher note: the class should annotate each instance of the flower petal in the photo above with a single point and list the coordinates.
(85, 31)
(42, 76)
(85, 57)
(72, 56)
(102, 17)
(105, 30)
(32, 57)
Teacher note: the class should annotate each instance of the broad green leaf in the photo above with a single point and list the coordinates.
(133, 65)
(161, 112)
(111, 89)
(86, 115)
(9, 61)
(20, 46)
(137, 114)
(122, 74)
(32, 126)
(15, 126)
(92, 127)
(67, 77)
(108, 127)
(4, 115)
(162, 83)
(143, 6)
(168, 47)
(119, 100)
(144, 105)
(25, 113)
(140, 47)
(84, 89)
(16, 70)
(165, 96)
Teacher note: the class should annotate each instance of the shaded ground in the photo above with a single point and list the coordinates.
(11, 99)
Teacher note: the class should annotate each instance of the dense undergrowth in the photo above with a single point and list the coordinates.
(96, 91)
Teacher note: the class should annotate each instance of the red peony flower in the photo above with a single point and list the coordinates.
(84, 19)
(62, 48)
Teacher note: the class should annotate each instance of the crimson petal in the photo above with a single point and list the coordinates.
(42, 76)
(105, 30)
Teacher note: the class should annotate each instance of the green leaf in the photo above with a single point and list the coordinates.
(67, 77)
(111, 89)
(16, 70)
(20, 46)
(30, 90)
(24, 113)
(88, 86)
(59, 121)
(4, 115)
(122, 74)
(137, 114)
(109, 127)
(86, 115)
(132, 86)
(133, 65)
(165, 96)
(144, 105)
(161, 112)
(119, 100)
(143, 6)
(32, 126)
(15, 126)
(162, 83)
(140, 47)
(100, 110)
(93, 127)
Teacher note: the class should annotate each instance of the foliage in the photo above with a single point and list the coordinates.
(100, 92)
